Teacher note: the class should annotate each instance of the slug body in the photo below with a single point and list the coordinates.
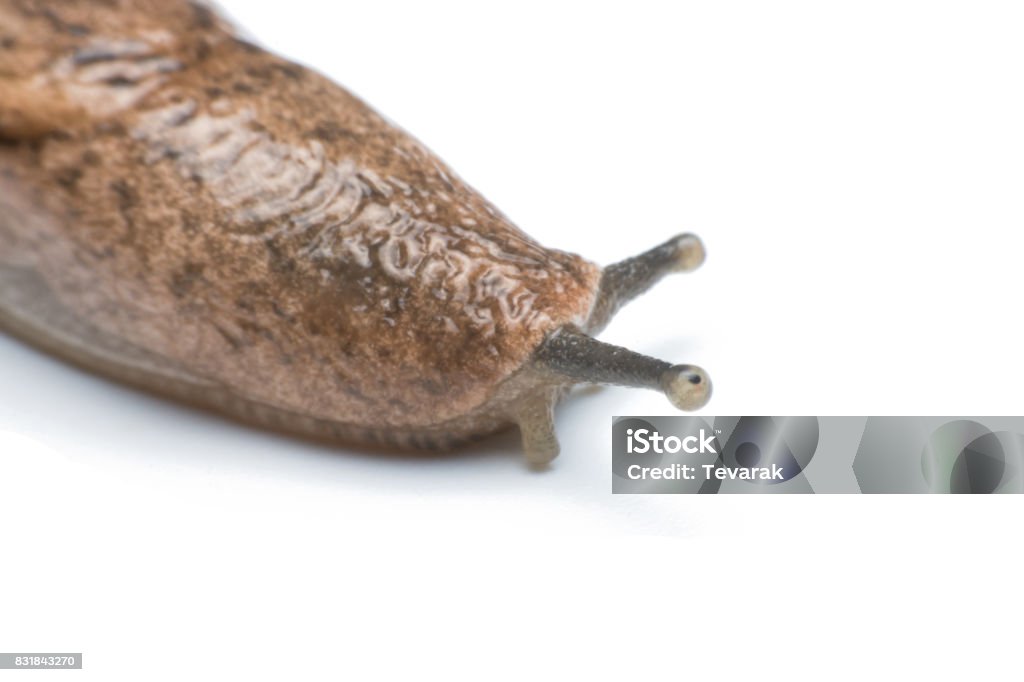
(183, 211)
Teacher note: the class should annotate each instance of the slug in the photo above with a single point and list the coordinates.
(187, 213)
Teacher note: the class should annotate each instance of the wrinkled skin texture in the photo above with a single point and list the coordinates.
(256, 227)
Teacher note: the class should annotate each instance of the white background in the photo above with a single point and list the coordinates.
(855, 169)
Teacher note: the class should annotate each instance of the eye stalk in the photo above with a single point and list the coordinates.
(569, 356)
(623, 281)
(572, 355)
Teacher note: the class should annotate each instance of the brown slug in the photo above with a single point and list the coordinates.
(185, 212)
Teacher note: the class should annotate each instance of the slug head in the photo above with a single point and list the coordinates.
(571, 355)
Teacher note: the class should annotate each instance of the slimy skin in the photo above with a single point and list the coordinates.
(185, 212)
